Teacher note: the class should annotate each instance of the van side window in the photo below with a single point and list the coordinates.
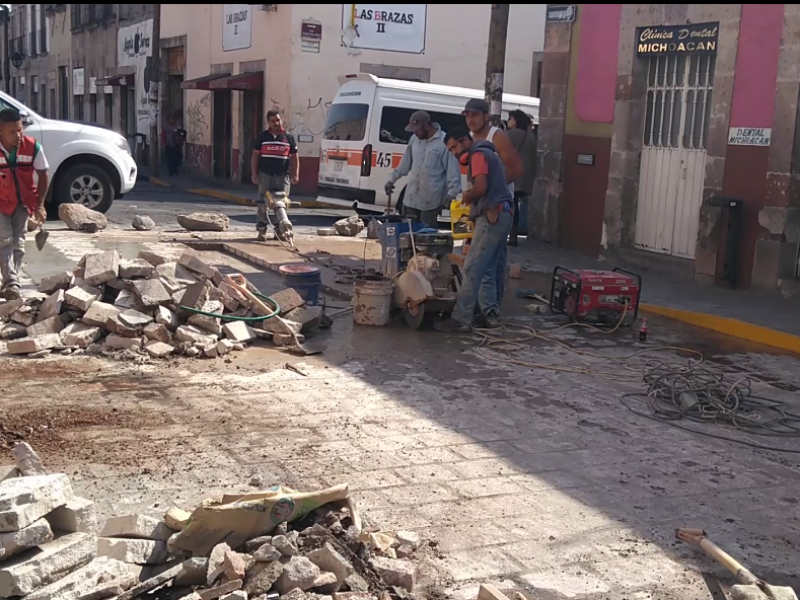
(394, 121)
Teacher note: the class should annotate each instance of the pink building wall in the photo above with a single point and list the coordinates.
(596, 80)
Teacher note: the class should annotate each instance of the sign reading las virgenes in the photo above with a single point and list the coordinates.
(698, 38)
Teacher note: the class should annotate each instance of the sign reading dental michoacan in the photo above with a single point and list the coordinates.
(663, 40)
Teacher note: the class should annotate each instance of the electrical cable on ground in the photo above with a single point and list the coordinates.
(677, 391)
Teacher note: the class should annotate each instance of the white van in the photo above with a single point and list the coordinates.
(88, 165)
(365, 135)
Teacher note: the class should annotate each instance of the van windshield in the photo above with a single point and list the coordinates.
(346, 122)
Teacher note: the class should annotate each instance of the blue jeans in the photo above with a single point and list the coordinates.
(484, 273)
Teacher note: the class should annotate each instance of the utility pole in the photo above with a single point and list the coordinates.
(496, 60)
(6, 10)
(155, 90)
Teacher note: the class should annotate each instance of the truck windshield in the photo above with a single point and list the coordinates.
(346, 121)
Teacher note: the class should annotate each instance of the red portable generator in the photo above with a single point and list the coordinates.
(596, 297)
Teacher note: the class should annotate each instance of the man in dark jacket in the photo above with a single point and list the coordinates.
(491, 209)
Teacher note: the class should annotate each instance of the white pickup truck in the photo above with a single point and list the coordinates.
(88, 165)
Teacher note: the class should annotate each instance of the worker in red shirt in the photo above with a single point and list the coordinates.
(21, 195)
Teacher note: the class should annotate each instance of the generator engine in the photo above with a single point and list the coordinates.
(596, 297)
(431, 260)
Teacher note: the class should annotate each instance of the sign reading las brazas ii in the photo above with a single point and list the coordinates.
(698, 38)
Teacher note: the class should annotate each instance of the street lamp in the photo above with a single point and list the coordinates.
(16, 60)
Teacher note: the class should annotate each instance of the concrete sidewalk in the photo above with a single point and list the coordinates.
(241, 193)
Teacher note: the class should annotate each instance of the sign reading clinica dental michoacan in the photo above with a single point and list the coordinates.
(662, 40)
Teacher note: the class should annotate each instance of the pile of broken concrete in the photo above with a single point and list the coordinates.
(51, 548)
(115, 306)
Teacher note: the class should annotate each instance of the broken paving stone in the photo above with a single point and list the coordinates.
(267, 553)
(237, 595)
(190, 333)
(196, 296)
(158, 333)
(100, 314)
(82, 297)
(24, 316)
(396, 572)
(14, 542)
(309, 317)
(408, 538)
(151, 583)
(53, 283)
(137, 267)
(283, 545)
(79, 218)
(118, 342)
(28, 462)
(138, 552)
(22, 575)
(80, 335)
(220, 591)
(204, 222)
(216, 560)
(256, 543)
(109, 589)
(166, 317)
(177, 518)
(76, 516)
(206, 323)
(51, 307)
(154, 258)
(137, 527)
(142, 223)
(238, 331)
(227, 301)
(134, 318)
(29, 345)
(101, 268)
(51, 325)
(151, 292)
(282, 326)
(288, 300)
(349, 227)
(82, 580)
(227, 288)
(177, 274)
(8, 307)
(13, 331)
(194, 263)
(234, 566)
(287, 340)
(356, 583)
(193, 572)
(158, 349)
(328, 559)
(262, 576)
(298, 573)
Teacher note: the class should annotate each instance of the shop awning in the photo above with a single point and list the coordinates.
(241, 82)
(118, 80)
(202, 83)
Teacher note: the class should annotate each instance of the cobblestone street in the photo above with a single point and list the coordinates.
(535, 478)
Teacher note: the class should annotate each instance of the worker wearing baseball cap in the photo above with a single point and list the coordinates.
(434, 175)
(476, 113)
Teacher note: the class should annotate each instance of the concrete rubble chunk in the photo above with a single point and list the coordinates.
(28, 462)
(194, 263)
(119, 342)
(151, 292)
(326, 582)
(80, 335)
(29, 345)
(349, 227)
(221, 590)
(166, 317)
(206, 323)
(177, 274)
(9, 307)
(29, 571)
(288, 300)
(52, 325)
(134, 318)
(14, 542)
(193, 572)
(153, 257)
(138, 552)
(177, 518)
(408, 538)
(267, 553)
(109, 589)
(196, 296)
(225, 347)
(82, 296)
(228, 289)
(79, 218)
(396, 572)
(309, 317)
(238, 331)
(24, 316)
(262, 576)
(230, 303)
(356, 583)
(190, 333)
(52, 283)
(237, 595)
(158, 333)
(287, 340)
(234, 565)
(282, 544)
(100, 314)
(151, 583)
(138, 267)
(51, 307)
(281, 326)
(101, 268)
(13, 331)
(256, 543)
(299, 573)
(82, 580)
(142, 223)
(204, 222)
(136, 526)
(328, 559)
(216, 559)
(77, 515)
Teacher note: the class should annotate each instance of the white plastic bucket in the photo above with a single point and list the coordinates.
(372, 300)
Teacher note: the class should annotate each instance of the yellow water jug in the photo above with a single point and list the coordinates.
(460, 223)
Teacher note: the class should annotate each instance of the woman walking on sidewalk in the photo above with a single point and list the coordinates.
(523, 138)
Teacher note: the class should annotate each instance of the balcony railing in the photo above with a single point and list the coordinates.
(55, 8)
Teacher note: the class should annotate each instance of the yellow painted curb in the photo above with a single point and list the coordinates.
(732, 327)
(161, 182)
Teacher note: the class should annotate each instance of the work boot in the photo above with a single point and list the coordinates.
(262, 236)
(11, 294)
(489, 322)
(451, 326)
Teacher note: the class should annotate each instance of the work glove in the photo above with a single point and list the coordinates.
(389, 187)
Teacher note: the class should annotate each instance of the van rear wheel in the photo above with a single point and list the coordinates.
(86, 184)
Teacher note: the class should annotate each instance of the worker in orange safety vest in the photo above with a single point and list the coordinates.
(21, 196)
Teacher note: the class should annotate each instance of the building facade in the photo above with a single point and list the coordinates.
(230, 63)
(667, 137)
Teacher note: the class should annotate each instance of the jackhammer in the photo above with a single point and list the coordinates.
(278, 204)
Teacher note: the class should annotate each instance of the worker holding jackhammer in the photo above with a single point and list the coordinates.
(434, 177)
(491, 209)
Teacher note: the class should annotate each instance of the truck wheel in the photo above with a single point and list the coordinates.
(86, 184)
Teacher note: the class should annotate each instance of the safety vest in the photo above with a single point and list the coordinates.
(17, 184)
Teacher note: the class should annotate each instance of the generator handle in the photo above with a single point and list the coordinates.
(638, 279)
(556, 272)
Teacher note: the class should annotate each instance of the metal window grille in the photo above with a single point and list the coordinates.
(679, 90)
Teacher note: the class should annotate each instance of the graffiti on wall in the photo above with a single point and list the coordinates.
(197, 113)
(198, 158)
(310, 120)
